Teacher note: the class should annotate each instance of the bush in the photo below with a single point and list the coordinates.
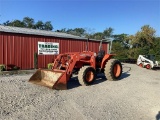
(158, 57)
(2, 67)
(49, 66)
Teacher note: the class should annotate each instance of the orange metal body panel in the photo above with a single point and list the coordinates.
(67, 62)
(105, 59)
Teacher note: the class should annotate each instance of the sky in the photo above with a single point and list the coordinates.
(124, 16)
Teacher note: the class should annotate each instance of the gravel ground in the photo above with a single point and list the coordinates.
(136, 96)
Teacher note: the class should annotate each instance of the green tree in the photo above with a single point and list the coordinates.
(39, 25)
(7, 23)
(29, 22)
(48, 25)
(97, 36)
(16, 23)
(156, 48)
(108, 32)
(122, 38)
(71, 31)
(119, 50)
(144, 37)
(63, 30)
(83, 33)
(80, 31)
(120, 46)
(142, 42)
(76, 31)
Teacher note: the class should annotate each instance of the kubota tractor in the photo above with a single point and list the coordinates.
(87, 64)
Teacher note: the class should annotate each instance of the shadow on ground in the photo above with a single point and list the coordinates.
(73, 82)
(125, 72)
(124, 75)
(156, 68)
(158, 116)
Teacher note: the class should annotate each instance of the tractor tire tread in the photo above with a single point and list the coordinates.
(109, 69)
(81, 75)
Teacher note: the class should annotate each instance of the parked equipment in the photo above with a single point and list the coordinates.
(147, 61)
(87, 64)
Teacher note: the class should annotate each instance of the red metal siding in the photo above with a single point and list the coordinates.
(19, 49)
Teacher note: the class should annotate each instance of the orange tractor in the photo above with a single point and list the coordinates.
(87, 64)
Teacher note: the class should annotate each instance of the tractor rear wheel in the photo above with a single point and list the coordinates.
(113, 69)
(86, 75)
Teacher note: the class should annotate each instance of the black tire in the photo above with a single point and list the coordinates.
(113, 69)
(84, 74)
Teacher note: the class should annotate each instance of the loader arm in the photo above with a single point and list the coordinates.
(58, 77)
(61, 83)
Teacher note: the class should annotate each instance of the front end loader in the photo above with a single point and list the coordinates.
(87, 64)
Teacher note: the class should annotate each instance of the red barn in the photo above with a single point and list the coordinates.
(18, 46)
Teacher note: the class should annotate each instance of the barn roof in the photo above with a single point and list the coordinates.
(30, 31)
(37, 32)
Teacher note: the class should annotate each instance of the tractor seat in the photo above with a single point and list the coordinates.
(100, 55)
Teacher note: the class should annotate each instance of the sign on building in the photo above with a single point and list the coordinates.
(48, 48)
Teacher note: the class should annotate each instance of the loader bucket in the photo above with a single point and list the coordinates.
(50, 78)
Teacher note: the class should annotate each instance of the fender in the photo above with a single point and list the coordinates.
(105, 59)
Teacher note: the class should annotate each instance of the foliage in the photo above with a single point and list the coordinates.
(16, 23)
(98, 36)
(131, 46)
(77, 31)
(49, 66)
(119, 50)
(28, 22)
(144, 37)
(143, 42)
(156, 48)
(124, 45)
(107, 33)
(135, 52)
(120, 46)
(48, 25)
(122, 38)
(39, 25)
(2, 67)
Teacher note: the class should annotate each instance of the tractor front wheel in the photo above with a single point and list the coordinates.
(86, 75)
(113, 69)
